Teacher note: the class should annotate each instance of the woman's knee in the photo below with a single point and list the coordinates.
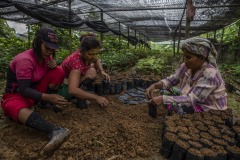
(60, 72)
(91, 73)
(56, 74)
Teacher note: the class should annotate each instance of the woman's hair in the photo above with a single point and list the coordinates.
(36, 45)
(88, 42)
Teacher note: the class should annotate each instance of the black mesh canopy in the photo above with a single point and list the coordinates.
(154, 20)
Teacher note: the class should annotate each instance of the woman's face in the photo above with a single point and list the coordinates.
(193, 61)
(46, 52)
(91, 55)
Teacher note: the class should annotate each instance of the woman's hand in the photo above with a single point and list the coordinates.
(102, 101)
(105, 75)
(149, 92)
(157, 100)
(52, 64)
(54, 99)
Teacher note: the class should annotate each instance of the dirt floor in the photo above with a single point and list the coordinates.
(117, 132)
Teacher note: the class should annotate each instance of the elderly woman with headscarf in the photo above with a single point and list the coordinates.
(201, 85)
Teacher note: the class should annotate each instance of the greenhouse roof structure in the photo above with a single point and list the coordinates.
(153, 20)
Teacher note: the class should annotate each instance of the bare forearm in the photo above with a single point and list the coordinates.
(158, 85)
(79, 93)
(98, 65)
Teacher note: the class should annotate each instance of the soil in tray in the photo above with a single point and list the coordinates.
(193, 129)
(198, 116)
(180, 123)
(209, 154)
(187, 122)
(214, 133)
(198, 123)
(229, 133)
(237, 123)
(179, 150)
(188, 116)
(207, 117)
(221, 152)
(170, 123)
(205, 142)
(167, 144)
(194, 137)
(209, 123)
(213, 127)
(171, 130)
(228, 119)
(230, 141)
(233, 152)
(219, 142)
(236, 129)
(228, 111)
(184, 137)
(182, 129)
(206, 135)
(195, 144)
(194, 154)
(202, 128)
(217, 120)
(174, 117)
(206, 114)
(215, 112)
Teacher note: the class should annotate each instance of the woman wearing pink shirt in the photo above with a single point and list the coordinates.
(81, 69)
(200, 82)
(30, 75)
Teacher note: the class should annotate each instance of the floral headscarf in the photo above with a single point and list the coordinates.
(201, 46)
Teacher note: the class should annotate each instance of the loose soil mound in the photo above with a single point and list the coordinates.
(119, 131)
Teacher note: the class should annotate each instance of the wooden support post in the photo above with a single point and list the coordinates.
(101, 35)
(188, 21)
(214, 36)
(70, 30)
(174, 39)
(179, 36)
(144, 40)
(187, 29)
(119, 37)
(28, 29)
(135, 37)
(221, 52)
(128, 35)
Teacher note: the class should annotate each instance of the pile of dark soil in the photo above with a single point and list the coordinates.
(208, 135)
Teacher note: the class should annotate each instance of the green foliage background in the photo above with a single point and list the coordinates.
(117, 55)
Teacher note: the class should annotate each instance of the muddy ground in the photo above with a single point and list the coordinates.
(117, 132)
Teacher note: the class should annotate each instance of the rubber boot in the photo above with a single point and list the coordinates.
(56, 139)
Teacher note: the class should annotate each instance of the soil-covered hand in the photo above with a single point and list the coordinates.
(102, 101)
(149, 92)
(52, 64)
(105, 75)
(157, 100)
(54, 99)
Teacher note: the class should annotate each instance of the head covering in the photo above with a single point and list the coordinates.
(200, 46)
(48, 37)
